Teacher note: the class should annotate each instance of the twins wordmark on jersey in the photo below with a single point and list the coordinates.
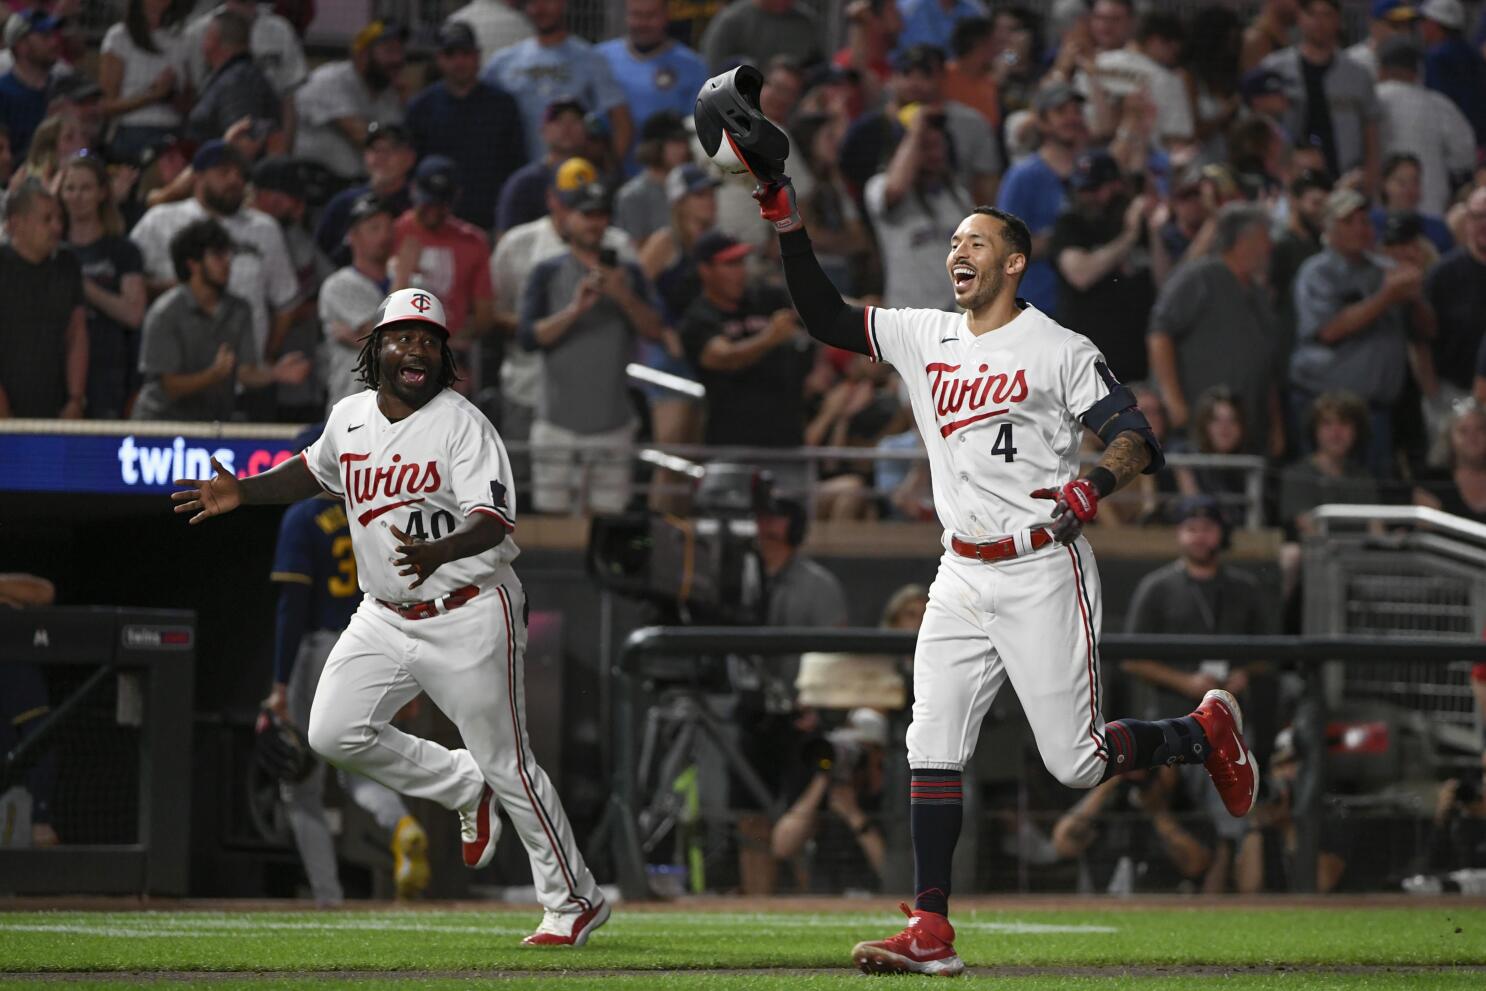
(423, 475)
(999, 412)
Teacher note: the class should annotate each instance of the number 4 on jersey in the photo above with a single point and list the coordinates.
(1003, 443)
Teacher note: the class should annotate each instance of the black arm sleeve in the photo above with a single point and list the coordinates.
(825, 314)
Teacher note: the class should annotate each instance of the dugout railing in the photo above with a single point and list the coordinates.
(619, 830)
(116, 714)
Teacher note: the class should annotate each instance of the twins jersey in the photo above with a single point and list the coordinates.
(999, 413)
(423, 475)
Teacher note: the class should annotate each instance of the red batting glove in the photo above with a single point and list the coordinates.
(1075, 504)
(776, 204)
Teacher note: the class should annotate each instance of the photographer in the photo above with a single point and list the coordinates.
(1266, 859)
(844, 769)
(1122, 850)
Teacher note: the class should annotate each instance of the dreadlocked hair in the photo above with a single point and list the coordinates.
(369, 372)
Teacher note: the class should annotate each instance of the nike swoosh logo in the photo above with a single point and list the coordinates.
(1243, 753)
(921, 952)
(946, 340)
(954, 425)
(372, 514)
(357, 427)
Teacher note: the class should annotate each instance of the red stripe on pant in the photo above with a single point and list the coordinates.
(531, 797)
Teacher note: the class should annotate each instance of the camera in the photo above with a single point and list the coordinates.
(608, 257)
(1468, 790)
(838, 753)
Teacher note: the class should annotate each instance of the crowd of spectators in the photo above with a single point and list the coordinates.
(1275, 230)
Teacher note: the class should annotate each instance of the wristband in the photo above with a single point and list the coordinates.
(1102, 479)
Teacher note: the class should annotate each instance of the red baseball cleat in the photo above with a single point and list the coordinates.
(479, 828)
(925, 946)
(568, 928)
(1234, 770)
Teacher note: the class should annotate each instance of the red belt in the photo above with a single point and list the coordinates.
(423, 610)
(1000, 549)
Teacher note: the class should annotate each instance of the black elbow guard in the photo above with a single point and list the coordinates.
(1117, 413)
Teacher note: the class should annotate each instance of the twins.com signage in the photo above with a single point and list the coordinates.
(128, 463)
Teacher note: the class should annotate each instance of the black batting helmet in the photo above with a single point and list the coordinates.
(734, 132)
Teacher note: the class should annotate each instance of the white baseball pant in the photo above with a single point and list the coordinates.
(1032, 619)
(470, 662)
(304, 802)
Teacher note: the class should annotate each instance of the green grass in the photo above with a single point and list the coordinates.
(674, 949)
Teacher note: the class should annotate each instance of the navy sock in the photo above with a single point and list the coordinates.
(935, 812)
(1135, 744)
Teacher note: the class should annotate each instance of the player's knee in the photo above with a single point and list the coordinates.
(1076, 769)
(334, 743)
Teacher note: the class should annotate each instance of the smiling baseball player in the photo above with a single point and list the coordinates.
(1002, 395)
(427, 489)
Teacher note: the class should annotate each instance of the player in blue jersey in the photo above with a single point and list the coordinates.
(316, 574)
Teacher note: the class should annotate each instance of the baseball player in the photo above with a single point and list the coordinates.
(316, 574)
(426, 485)
(1002, 395)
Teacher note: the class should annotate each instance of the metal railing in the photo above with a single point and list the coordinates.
(620, 830)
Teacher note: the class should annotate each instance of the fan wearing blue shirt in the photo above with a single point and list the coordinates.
(1034, 188)
(656, 72)
(556, 66)
(932, 22)
(456, 117)
(32, 39)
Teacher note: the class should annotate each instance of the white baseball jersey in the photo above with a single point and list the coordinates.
(423, 474)
(999, 412)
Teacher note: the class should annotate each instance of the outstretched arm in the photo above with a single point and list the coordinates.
(824, 313)
(224, 492)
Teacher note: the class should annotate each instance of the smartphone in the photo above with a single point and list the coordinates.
(608, 257)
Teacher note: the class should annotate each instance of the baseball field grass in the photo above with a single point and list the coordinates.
(1031, 946)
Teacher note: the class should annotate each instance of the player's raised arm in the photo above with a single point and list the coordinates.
(735, 134)
(224, 491)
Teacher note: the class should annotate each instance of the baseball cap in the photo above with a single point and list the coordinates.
(411, 304)
(1342, 203)
(1398, 11)
(557, 107)
(718, 246)
(29, 22)
(1447, 13)
(376, 32)
(1093, 169)
(75, 87)
(1054, 96)
(576, 183)
(379, 130)
(217, 152)
(1400, 51)
(1402, 228)
(367, 205)
(457, 36)
(1261, 82)
(685, 179)
(280, 175)
(922, 57)
(436, 180)
(1199, 506)
(663, 125)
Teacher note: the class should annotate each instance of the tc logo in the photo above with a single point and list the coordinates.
(421, 302)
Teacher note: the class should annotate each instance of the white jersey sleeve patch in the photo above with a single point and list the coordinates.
(481, 474)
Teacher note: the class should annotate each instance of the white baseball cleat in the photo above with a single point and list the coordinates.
(568, 928)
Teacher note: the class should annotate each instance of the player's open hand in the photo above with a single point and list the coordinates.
(1074, 505)
(417, 557)
(208, 497)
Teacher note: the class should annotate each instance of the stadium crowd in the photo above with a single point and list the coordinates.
(1276, 230)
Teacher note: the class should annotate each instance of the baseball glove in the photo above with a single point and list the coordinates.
(281, 749)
